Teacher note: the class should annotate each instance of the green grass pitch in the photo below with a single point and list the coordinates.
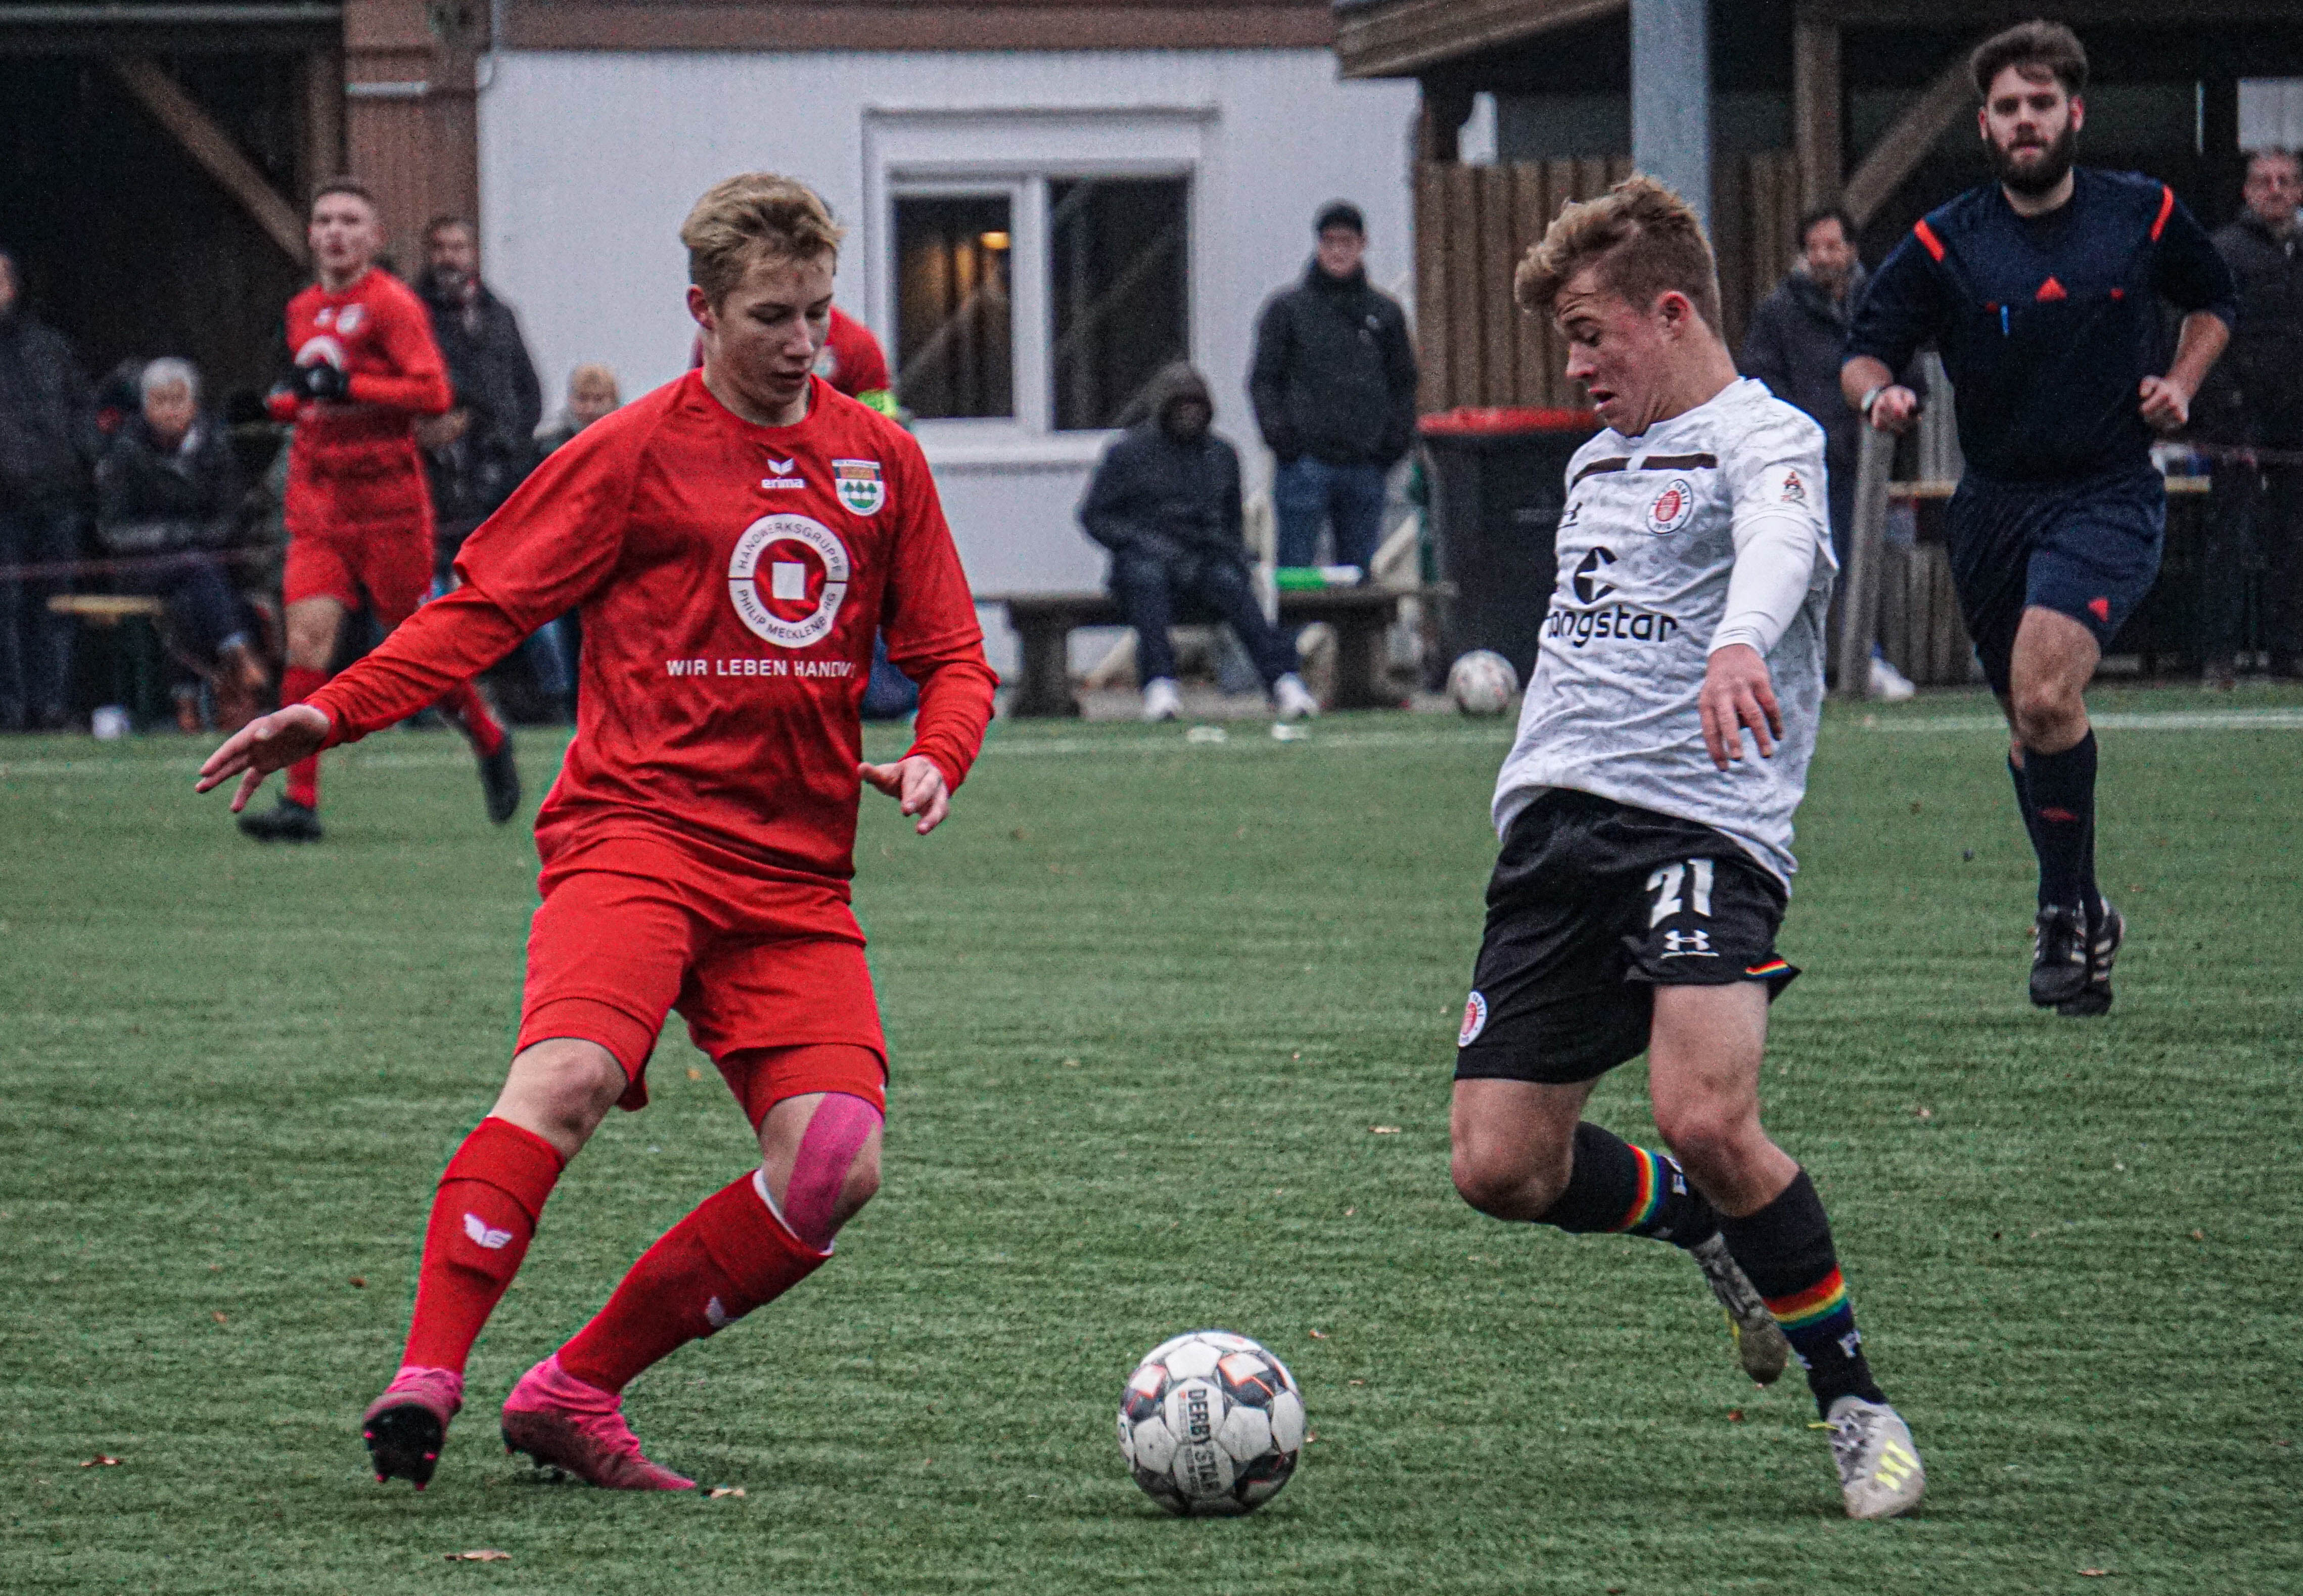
(1148, 999)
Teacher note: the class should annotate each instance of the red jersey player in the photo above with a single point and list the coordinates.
(359, 512)
(734, 540)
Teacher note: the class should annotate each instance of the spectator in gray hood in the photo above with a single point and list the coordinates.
(1165, 500)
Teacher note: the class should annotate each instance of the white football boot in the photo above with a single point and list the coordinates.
(1880, 1474)
(1760, 1344)
(1163, 700)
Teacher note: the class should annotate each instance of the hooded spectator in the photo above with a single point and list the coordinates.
(48, 449)
(1165, 500)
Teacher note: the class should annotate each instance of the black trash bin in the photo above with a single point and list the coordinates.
(1498, 485)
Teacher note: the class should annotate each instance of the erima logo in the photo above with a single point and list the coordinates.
(781, 476)
(1588, 589)
(477, 1229)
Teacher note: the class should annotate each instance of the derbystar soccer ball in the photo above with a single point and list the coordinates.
(1210, 1423)
(1482, 683)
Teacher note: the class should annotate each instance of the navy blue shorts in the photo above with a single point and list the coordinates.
(2088, 549)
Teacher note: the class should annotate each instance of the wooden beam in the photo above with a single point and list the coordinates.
(322, 148)
(1399, 39)
(213, 149)
(1905, 143)
(1816, 92)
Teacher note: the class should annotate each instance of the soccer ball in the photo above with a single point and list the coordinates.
(1482, 683)
(1210, 1423)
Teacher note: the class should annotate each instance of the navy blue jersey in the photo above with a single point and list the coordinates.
(2048, 325)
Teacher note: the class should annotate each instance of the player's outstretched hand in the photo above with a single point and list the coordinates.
(1737, 692)
(917, 784)
(2166, 408)
(269, 743)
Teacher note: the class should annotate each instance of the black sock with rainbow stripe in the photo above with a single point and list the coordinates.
(1615, 1186)
(1786, 1248)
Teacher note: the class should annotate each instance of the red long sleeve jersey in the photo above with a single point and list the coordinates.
(730, 578)
(357, 461)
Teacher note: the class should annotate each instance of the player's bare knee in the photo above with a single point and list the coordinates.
(1708, 1137)
(1505, 1183)
(2048, 716)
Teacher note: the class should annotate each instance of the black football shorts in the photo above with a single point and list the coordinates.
(1593, 905)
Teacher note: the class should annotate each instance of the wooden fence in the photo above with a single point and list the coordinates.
(1474, 224)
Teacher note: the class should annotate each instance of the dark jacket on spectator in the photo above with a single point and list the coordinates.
(495, 383)
(1154, 495)
(1334, 376)
(1796, 344)
(2261, 374)
(150, 501)
(48, 413)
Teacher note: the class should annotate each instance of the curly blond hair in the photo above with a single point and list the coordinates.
(753, 215)
(1645, 242)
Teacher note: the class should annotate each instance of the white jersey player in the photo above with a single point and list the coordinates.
(1646, 816)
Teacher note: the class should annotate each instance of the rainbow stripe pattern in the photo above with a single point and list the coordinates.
(1773, 967)
(1805, 1310)
(1648, 1202)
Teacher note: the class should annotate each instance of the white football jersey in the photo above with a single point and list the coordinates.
(1646, 545)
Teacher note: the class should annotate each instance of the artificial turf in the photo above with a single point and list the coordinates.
(1150, 1000)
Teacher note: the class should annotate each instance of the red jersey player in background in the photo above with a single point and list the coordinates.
(851, 361)
(359, 511)
(734, 540)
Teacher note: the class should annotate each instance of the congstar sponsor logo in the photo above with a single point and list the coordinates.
(1575, 627)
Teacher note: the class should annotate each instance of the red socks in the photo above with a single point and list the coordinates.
(463, 702)
(728, 1257)
(482, 1220)
(296, 684)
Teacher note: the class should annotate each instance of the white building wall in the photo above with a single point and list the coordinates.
(588, 162)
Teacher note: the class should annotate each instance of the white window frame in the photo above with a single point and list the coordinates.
(1018, 152)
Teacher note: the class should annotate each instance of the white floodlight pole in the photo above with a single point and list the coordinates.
(1671, 97)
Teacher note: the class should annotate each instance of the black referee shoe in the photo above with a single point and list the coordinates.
(500, 781)
(287, 821)
(2059, 955)
(2102, 949)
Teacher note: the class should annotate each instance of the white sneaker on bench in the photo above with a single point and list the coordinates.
(1162, 699)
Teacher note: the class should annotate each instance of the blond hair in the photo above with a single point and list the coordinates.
(1645, 242)
(752, 217)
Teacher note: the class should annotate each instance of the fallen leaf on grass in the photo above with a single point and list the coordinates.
(102, 1460)
(360, 1281)
(717, 1491)
(1734, 1415)
(2198, 1236)
(695, 1074)
(218, 1316)
(1071, 1063)
(1319, 1335)
(1349, 1212)
(1356, 1382)
(1383, 1130)
(2095, 1573)
(486, 1554)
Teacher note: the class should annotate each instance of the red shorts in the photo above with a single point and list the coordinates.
(386, 569)
(610, 953)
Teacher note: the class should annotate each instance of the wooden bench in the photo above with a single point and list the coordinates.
(1044, 621)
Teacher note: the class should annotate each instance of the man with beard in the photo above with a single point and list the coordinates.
(2042, 291)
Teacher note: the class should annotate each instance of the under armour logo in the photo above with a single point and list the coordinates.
(1688, 944)
(477, 1229)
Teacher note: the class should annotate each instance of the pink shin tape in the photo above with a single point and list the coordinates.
(827, 1150)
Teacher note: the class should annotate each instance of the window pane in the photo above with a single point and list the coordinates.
(1118, 271)
(953, 351)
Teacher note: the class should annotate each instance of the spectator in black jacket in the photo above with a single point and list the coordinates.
(167, 491)
(1796, 345)
(485, 446)
(1165, 500)
(2254, 399)
(1334, 389)
(47, 448)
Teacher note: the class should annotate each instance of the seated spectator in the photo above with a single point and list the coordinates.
(1165, 500)
(166, 491)
(592, 393)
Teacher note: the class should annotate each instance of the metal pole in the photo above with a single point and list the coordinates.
(1859, 607)
(1671, 97)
